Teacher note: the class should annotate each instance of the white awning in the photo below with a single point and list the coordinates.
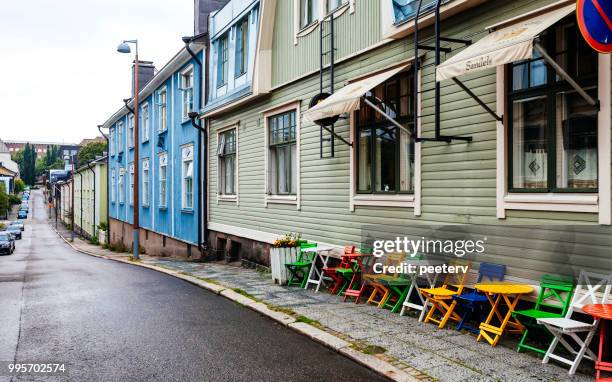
(506, 45)
(347, 99)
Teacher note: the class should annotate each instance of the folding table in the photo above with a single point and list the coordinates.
(315, 276)
(602, 312)
(499, 294)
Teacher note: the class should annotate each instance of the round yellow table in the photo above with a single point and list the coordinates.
(500, 294)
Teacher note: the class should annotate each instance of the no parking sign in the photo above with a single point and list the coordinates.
(595, 22)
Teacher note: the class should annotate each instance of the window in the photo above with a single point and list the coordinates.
(242, 47)
(111, 142)
(112, 190)
(121, 186)
(187, 171)
(308, 12)
(283, 153)
(407, 9)
(163, 180)
(131, 184)
(162, 110)
(385, 154)
(553, 131)
(333, 4)
(120, 141)
(131, 131)
(145, 122)
(145, 182)
(222, 63)
(187, 90)
(226, 150)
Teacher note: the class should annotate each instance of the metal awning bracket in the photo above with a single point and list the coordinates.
(563, 74)
(477, 99)
(332, 132)
(387, 116)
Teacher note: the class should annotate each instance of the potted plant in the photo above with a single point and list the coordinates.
(284, 250)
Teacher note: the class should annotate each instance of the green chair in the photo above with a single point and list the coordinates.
(300, 269)
(553, 302)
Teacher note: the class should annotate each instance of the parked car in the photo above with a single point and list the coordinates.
(7, 243)
(22, 215)
(13, 230)
(18, 224)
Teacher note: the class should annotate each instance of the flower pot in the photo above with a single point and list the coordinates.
(278, 258)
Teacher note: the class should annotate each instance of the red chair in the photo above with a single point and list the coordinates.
(345, 263)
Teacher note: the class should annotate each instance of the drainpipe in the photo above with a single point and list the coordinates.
(108, 191)
(202, 152)
(93, 211)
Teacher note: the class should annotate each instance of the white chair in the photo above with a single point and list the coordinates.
(592, 288)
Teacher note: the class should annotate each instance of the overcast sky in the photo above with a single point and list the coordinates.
(61, 74)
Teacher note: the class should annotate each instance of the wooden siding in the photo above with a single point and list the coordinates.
(458, 179)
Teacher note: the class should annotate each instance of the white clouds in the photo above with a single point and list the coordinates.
(61, 74)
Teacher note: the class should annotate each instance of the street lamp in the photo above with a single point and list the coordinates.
(124, 47)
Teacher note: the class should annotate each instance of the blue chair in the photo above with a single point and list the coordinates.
(471, 303)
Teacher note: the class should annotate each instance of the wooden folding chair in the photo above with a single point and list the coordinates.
(592, 288)
(380, 292)
(336, 273)
(299, 269)
(441, 296)
(553, 302)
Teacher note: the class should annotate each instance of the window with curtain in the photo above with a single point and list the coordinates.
(163, 181)
(308, 12)
(131, 131)
(121, 186)
(131, 184)
(553, 133)
(112, 188)
(242, 47)
(407, 9)
(111, 141)
(222, 63)
(162, 110)
(145, 182)
(226, 151)
(187, 174)
(187, 91)
(282, 154)
(385, 154)
(120, 137)
(145, 123)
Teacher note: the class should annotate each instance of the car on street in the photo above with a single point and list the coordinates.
(7, 243)
(14, 231)
(18, 224)
(22, 215)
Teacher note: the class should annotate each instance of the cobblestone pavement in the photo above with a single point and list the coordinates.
(444, 355)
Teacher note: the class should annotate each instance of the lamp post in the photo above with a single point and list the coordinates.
(124, 47)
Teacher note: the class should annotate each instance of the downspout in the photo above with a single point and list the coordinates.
(94, 199)
(108, 235)
(202, 223)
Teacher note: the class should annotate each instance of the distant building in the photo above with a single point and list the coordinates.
(70, 149)
(87, 141)
(90, 201)
(8, 178)
(5, 159)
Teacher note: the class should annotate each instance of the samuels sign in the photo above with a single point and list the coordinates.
(479, 63)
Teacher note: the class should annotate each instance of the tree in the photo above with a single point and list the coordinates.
(90, 151)
(19, 186)
(50, 161)
(4, 201)
(26, 159)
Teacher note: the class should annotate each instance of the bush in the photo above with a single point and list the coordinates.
(2, 226)
(19, 186)
(94, 240)
(14, 199)
(103, 227)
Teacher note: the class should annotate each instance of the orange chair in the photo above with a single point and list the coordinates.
(441, 298)
(377, 281)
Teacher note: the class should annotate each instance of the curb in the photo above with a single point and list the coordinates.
(326, 339)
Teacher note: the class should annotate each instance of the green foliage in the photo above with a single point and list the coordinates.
(52, 160)
(90, 151)
(26, 159)
(103, 226)
(19, 186)
(94, 240)
(4, 200)
(14, 199)
(2, 226)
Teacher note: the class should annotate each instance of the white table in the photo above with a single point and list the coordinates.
(315, 276)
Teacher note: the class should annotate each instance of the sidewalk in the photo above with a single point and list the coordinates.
(421, 350)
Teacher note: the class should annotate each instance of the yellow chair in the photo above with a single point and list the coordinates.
(441, 298)
(376, 281)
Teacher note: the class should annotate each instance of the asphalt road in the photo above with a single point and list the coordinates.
(116, 322)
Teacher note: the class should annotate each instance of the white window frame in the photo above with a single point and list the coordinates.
(131, 184)
(187, 74)
(220, 195)
(162, 123)
(131, 127)
(146, 183)
(111, 141)
(283, 199)
(600, 202)
(121, 182)
(187, 203)
(163, 163)
(322, 12)
(113, 187)
(397, 200)
(120, 143)
(145, 118)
